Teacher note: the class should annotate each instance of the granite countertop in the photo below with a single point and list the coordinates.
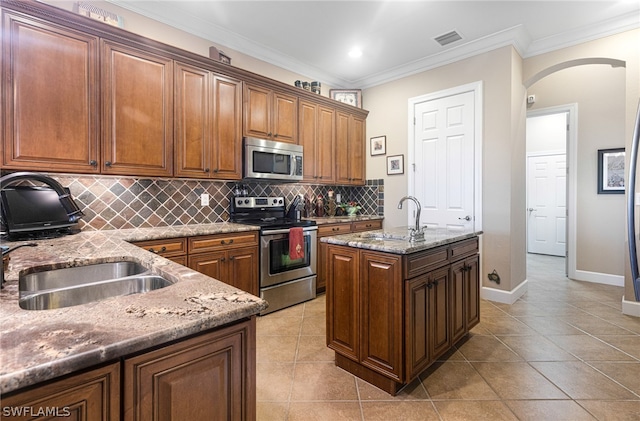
(396, 240)
(37, 345)
(338, 219)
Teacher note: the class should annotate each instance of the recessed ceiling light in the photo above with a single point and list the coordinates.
(355, 52)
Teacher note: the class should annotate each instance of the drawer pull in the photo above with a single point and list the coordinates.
(162, 250)
(222, 259)
(223, 242)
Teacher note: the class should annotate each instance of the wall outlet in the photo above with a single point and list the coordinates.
(204, 199)
(531, 99)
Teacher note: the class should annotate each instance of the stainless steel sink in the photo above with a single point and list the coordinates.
(87, 293)
(58, 288)
(79, 275)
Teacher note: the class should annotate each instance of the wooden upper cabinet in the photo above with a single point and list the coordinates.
(350, 147)
(50, 95)
(317, 136)
(137, 89)
(208, 124)
(269, 114)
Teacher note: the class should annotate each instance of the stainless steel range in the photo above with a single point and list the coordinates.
(283, 281)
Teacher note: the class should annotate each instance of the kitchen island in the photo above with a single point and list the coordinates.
(395, 305)
(196, 319)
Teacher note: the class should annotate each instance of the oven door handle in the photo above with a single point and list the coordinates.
(286, 231)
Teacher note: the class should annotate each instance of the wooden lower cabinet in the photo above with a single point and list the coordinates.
(326, 230)
(93, 395)
(206, 378)
(391, 316)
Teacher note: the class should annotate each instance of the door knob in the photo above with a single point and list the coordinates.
(466, 218)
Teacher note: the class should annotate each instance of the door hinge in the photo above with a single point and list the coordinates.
(414, 167)
(414, 121)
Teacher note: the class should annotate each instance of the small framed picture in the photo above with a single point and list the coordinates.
(395, 164)
(348, 96)
(378, 145)
(611, 171)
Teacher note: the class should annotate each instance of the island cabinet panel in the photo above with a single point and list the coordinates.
(269, 114)
(410, 308)
(208, 124)
(174, 249)
(90, 396)
(137, 89)
(381, 306)
(209, 377)
(50, 96)
(343, 315)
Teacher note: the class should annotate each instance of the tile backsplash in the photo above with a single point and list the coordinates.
(110, 202)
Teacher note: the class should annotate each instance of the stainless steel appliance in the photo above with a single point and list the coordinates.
(283, 281)
(266, 159)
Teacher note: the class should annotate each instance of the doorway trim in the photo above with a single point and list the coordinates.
(572, 177)
(476, 88)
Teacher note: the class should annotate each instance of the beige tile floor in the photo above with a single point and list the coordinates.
(564, 351)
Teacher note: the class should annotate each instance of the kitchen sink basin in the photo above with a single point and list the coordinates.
(58, 288)
(77, 276)
(89, 292)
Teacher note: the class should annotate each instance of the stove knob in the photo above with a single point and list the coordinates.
(275, 201)
(238, 202)
(280, 201)
(246, 201)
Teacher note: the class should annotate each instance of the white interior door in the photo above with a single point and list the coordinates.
(444, 160)
(547, 204)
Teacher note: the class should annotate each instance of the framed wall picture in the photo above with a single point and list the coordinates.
(348, 96)
(395, 164)
(378, 145)
(611, 171)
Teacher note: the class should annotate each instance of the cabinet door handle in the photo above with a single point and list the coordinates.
(223, 259)
(207, 170)
(223, 242)
(429, 285)
(275, 135)
(108, 163)
(215, 170)
(269, 134)
(93, 163)
(162, 250)
(231, 258)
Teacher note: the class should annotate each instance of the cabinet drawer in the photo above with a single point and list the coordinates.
(334, 229)
(366, 225)
(222, 241)
(169, 247)
(463, 248)
(420, 263)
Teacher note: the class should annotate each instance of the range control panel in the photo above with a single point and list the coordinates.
(258, 202)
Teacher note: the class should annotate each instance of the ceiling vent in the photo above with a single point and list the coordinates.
(448, 38)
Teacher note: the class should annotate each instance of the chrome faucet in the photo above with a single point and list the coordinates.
(416, 233)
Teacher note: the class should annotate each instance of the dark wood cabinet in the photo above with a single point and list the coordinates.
(326, 230)
(391, 316)
(93, 395)
(208, 124)
(230, 258)
(137, 89)
(209, 377)
(350, 149)
(317, 136)
(50, 96)
(270, 114)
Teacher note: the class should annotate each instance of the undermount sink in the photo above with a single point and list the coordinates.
(58, 288)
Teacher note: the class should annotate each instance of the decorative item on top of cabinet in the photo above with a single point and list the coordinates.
(270, 114)
(347, 96)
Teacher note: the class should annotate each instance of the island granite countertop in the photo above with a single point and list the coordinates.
(396, 240)
(38, 345)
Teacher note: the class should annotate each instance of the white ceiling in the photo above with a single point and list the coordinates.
(313, 38)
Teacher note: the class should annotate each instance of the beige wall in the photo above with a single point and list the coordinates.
(503, 191)
(618, 101)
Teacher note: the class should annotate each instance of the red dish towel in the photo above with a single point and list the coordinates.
(296, 243)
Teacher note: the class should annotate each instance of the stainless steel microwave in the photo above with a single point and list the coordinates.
(266, 159)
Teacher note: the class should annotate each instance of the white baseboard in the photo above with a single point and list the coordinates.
(599, 278)
(630, 308)
(505, 297)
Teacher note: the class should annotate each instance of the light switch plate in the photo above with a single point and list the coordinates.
(204, 199)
